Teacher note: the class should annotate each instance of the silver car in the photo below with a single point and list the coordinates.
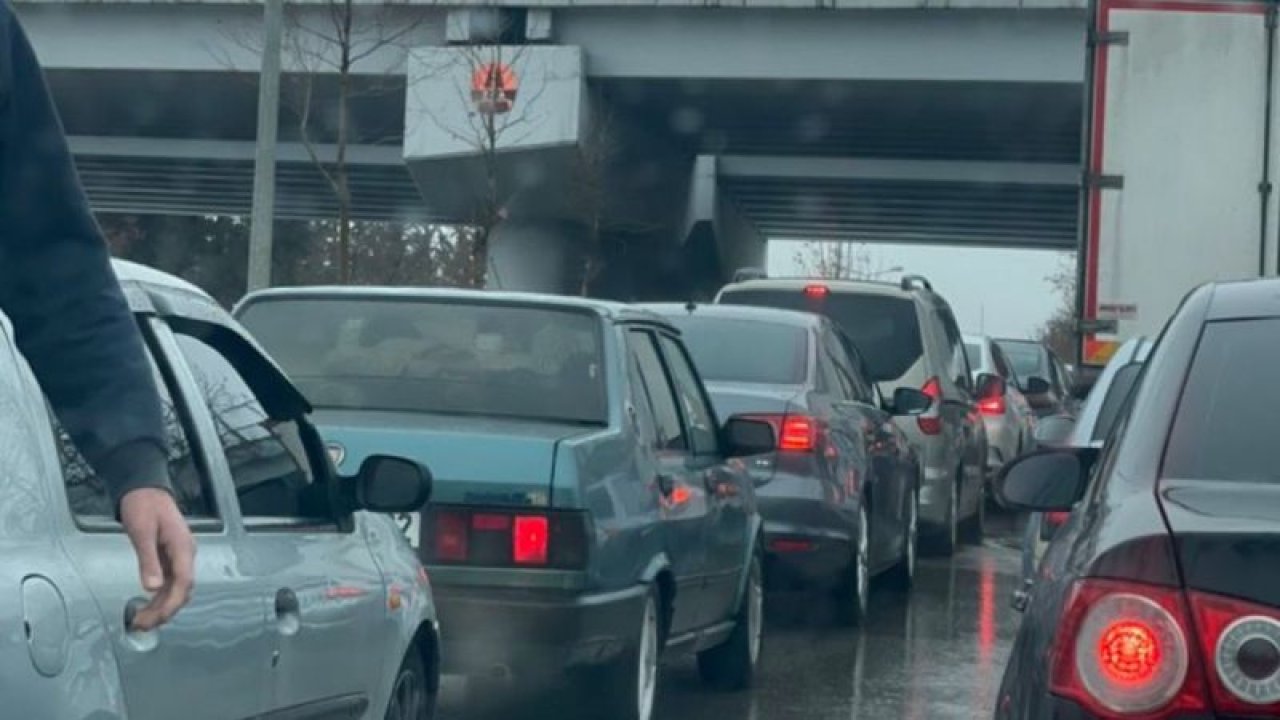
(1010, 421)
(304, 606)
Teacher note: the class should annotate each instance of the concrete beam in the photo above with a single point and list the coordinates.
(733, 43)
(768, 167)
(225, 150)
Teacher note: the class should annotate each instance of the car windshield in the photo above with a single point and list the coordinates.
(884, 328)
(1226, 421)
(1027, 358)
(431, 356)
(747, 351)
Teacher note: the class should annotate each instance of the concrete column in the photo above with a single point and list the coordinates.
(536, 256)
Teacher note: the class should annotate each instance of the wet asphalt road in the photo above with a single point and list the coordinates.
(936, 655)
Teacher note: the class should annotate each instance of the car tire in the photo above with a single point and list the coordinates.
(732, 664)
(853, 594)
(411, 696)
(903, 575)
(627, 688)
(943, 542)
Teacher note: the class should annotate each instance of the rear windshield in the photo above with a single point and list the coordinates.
(974, 353)
(1027, 359)
(746, 351)
(885, 329)
(437, 356)
(1225, 428)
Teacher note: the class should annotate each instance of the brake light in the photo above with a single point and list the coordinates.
(1242, 641)
(816, 291)
(799, 434)
(930, 421)
(1056, 519)
(992, 406)
(530, 540)
(1122, 650)
(451, 537)
(504, 538)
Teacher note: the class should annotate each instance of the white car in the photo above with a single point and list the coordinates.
(1009, 419)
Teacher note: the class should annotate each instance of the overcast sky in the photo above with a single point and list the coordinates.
(1000, 292)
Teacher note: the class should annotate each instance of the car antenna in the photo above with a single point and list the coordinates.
(690, 306)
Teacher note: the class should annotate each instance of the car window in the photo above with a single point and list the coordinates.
(438, 356)
(860, 369)
(829, 380)
(885, 327)
(1226, 420)
(1122, 384)
(1027, 359)
(273, 477)
(657, 388)
(695, 409)
(973, 352)
(1002, 364)
(746, 351)
(846, 370)
(86, 493)
(957, 362)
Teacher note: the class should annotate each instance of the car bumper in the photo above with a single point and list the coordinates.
(808, 536)
(522, 631)
(1002, 441)
(935, 496)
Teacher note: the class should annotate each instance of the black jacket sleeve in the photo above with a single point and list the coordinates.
(69, 314)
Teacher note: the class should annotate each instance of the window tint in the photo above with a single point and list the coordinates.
(468, 358)
(846, 369)
(748, 351)
(698, 416)
(974, 353)
(1230, 408)
(88, 496)
(957, 363)
(267, 457)
(1122, 384)
(656, 386)
(885, 328)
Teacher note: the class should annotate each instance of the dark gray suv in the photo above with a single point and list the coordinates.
(908, 337)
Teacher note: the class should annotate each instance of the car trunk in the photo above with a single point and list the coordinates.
(473, 460)
(773, 401)
(1227, 536)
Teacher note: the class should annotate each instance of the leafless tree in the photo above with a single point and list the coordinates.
(1059, 331)
(839, 260)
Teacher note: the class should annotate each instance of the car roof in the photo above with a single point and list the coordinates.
(1240, 299)
(976, 339)
(616, 311)
(861, 287)
(794, 318)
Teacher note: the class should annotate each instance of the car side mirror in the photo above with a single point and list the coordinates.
(1036, 385)
(389, 484)
(745, 437)
(910, 401)
(1045, 481)
(990, 386)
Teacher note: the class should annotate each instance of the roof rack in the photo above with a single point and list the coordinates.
(751, 273)
(915, 282)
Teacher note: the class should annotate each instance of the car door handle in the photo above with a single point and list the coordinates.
(288, 612)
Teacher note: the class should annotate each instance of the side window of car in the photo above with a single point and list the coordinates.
(697, 412)
(657, 387)
(1002, 364)
(273, 476)
(957, 362)
(847, 366)
(87, 495)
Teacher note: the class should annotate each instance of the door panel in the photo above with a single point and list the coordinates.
(683, 499)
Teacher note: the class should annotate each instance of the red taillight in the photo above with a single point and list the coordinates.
(1122, 651)
(816, 291)
(1241, 641)
(790, 545)
(530, 540)
(930, 421)
(992, 406)
(490, 523)
(451, 537)
(1056, 519)
(799, 434)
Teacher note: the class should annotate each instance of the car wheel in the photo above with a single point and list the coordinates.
(631, 684)
(904, 573)
(732, 665)
(411, 698)
(853, 595)
(944, 541)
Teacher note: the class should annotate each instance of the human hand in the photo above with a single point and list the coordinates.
(166, 553)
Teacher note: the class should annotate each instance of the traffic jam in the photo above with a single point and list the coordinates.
(799, 497)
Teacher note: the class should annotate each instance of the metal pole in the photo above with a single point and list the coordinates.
(264, 162)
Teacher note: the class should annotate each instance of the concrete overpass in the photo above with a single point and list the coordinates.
(880, 120)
